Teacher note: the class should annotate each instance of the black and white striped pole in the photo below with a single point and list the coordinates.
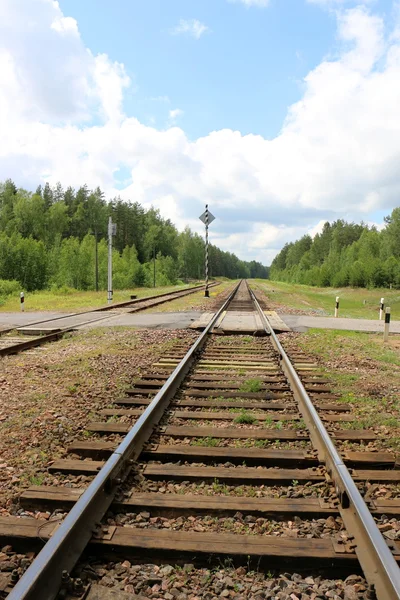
(207, 218)
(112, 230)
(382, 309)
(22, 299)
(387, 324)
(337, 307)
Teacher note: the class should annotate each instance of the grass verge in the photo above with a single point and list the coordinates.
(365, 372)
(75, 300)
(358, 303)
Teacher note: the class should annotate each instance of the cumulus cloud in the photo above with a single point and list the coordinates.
(174, 114)
(337, 154)
(191, 27)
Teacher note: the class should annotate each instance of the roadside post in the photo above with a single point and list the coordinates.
(207, 218)
(382, 309)
(112, 230)
(337, 307)
(387, 324)
(22, 301)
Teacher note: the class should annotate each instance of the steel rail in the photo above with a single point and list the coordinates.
(43, 578)
(107, 307)
(379, 566)
(56, 335)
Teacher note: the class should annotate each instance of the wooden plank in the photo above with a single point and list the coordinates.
(232, 433)
(95, 449)
(66, 465)
(263, 434)
(206, 415)
(25, 528)
(257, 456)
(275, 321)
(386, 506)
(44, 495)
(234, 377)
(195, 393)
(100, 427)
(233, 386)
(354, 434)
(120, 412)
(145, 391)
(197, 504)
(238, 475)
(375, 475)
(234, 404)
(152, 383)
(231, 416)
(133, 401)
(176, 504)
(230, 403)
(378, 459)
(234, 359)
(161, 540)
(257, 475)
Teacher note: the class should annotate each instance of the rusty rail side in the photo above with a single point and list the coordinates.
(43, 578)
(380, 567)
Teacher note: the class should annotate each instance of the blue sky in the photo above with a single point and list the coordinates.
(279, 114)
(231, 77)
(242, 74)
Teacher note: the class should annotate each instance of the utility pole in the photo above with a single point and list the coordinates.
(207, 218)
(112, 230)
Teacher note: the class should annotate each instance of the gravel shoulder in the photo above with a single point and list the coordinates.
(50, 393)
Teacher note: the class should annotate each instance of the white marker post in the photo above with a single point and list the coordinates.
(22, 299)
(382, 309)
(387, 324)
(112, 230)
(207, 218)
(337, 307)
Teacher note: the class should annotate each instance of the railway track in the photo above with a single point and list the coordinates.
(239, 449)
(50, 330)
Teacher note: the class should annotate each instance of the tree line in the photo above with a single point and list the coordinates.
(47, 240)
(343, 254)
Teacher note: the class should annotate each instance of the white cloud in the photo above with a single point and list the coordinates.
(337, 154)
(248, 3)
(174, 115)
(191, 27)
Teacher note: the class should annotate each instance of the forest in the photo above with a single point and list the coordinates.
(343, 254)
(47, 241)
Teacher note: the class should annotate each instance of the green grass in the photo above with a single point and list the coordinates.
(75, 300)
(326, 343)
(206, 441)
(251, 385)
(365, 372)
(354, 302)
(245, 417)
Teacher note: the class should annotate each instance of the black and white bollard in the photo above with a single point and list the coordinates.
(382, 309)
(387, 324)
(337, 307)
(22, 299)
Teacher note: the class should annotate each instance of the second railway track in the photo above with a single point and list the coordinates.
(55, 328)
(224, 450)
